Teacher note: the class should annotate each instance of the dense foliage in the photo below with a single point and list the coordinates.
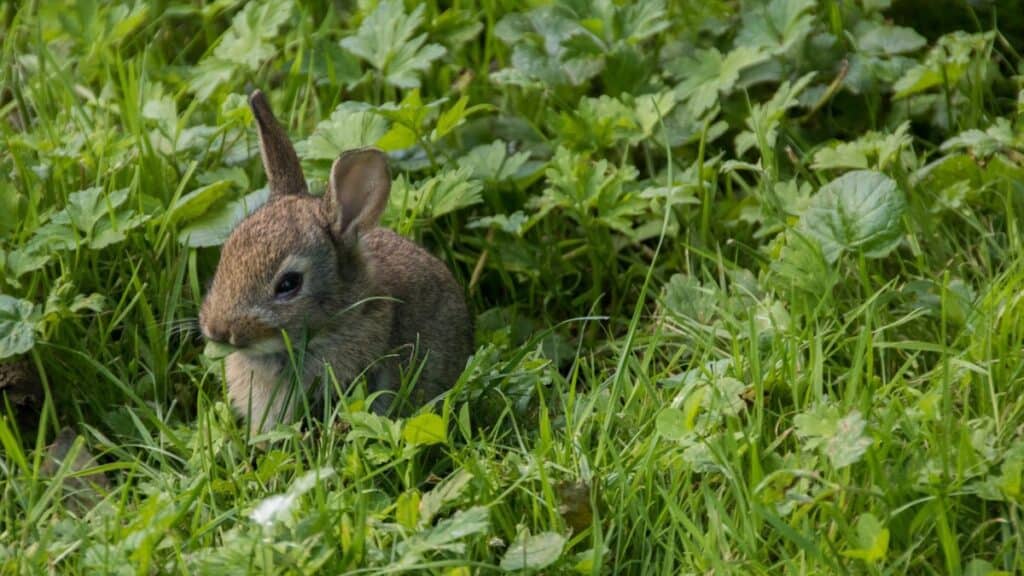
(747, 278)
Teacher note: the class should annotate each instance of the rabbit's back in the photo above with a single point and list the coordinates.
(430, 311)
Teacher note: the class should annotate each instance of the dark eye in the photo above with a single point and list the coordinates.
(288, 286)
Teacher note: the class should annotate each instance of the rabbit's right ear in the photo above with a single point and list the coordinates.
(284, 173)
(357, 192)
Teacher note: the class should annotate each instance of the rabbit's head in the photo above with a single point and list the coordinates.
(295, 264)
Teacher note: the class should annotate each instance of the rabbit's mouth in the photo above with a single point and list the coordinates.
(271, 345)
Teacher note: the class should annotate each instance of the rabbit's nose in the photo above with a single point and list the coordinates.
(216, 332)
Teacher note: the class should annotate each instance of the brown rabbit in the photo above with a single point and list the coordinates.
(348, 294)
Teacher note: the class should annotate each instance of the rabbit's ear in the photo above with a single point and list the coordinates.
(358, 192)
(284, 173)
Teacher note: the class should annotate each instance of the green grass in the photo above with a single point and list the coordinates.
(748, 282)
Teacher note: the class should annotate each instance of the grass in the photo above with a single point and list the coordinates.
(731, 318)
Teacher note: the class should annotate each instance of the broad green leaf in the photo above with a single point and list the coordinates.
(981, 567)
(882, 39)
(591, 192)
(451, 191)
(441, 194)
(409, 120)
(198, 202)
(351, 125)
(996, 138)
(94, 302)
(802, 265)
(872, 540)
(425, 430)
(840, 438)
(549, 49)
(860, 211)
(685, 297)
(407, 509)
(443, 537)
(97, 216)
(110, 231)
(214, 227)
(777, 25)
(493, 163)
(638, 21)
(765, 118)
(86, 207)
(12, 203)
(708, 74)
(514, 223)
(27, 259)
(455, 117)
(17, 326)
(946, 63)
(386, 41)
(671, 424)
(872, 150)
(599, 123)
(246, 41)
(444, 494)
(651, 109)
(246, 45)
(533, 552)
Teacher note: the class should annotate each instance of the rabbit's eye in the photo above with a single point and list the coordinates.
(288, 286)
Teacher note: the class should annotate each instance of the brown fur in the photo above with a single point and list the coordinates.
(369, 297)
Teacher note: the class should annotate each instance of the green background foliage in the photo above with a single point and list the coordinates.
(747, 277)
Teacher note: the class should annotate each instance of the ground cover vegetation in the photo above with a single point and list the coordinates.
(747, 275)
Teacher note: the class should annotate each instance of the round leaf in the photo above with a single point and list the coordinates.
(533, 552)
(17, 326)
(858, 212)
(425, 429)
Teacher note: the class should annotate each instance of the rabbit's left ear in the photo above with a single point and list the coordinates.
(284, 173)
(358, 192)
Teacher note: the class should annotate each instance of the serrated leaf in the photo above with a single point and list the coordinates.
(444, 536)
(840, 438)
(17, 325)
(455, 116)
(946, 63)
(425, 430)
(776, 26)
(441, 194)
(444, 494)
(492, 162)
(533, 552)
(513, 223)
(245, 44)
(708, 74)
(548, 48)
(872, 541)
(86, 207)
(385, 40)
(860, 211)
(584, 187)
(351, 125)
(872, 150)
(765, 118)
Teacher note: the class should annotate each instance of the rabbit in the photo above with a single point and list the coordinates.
(349, 295)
